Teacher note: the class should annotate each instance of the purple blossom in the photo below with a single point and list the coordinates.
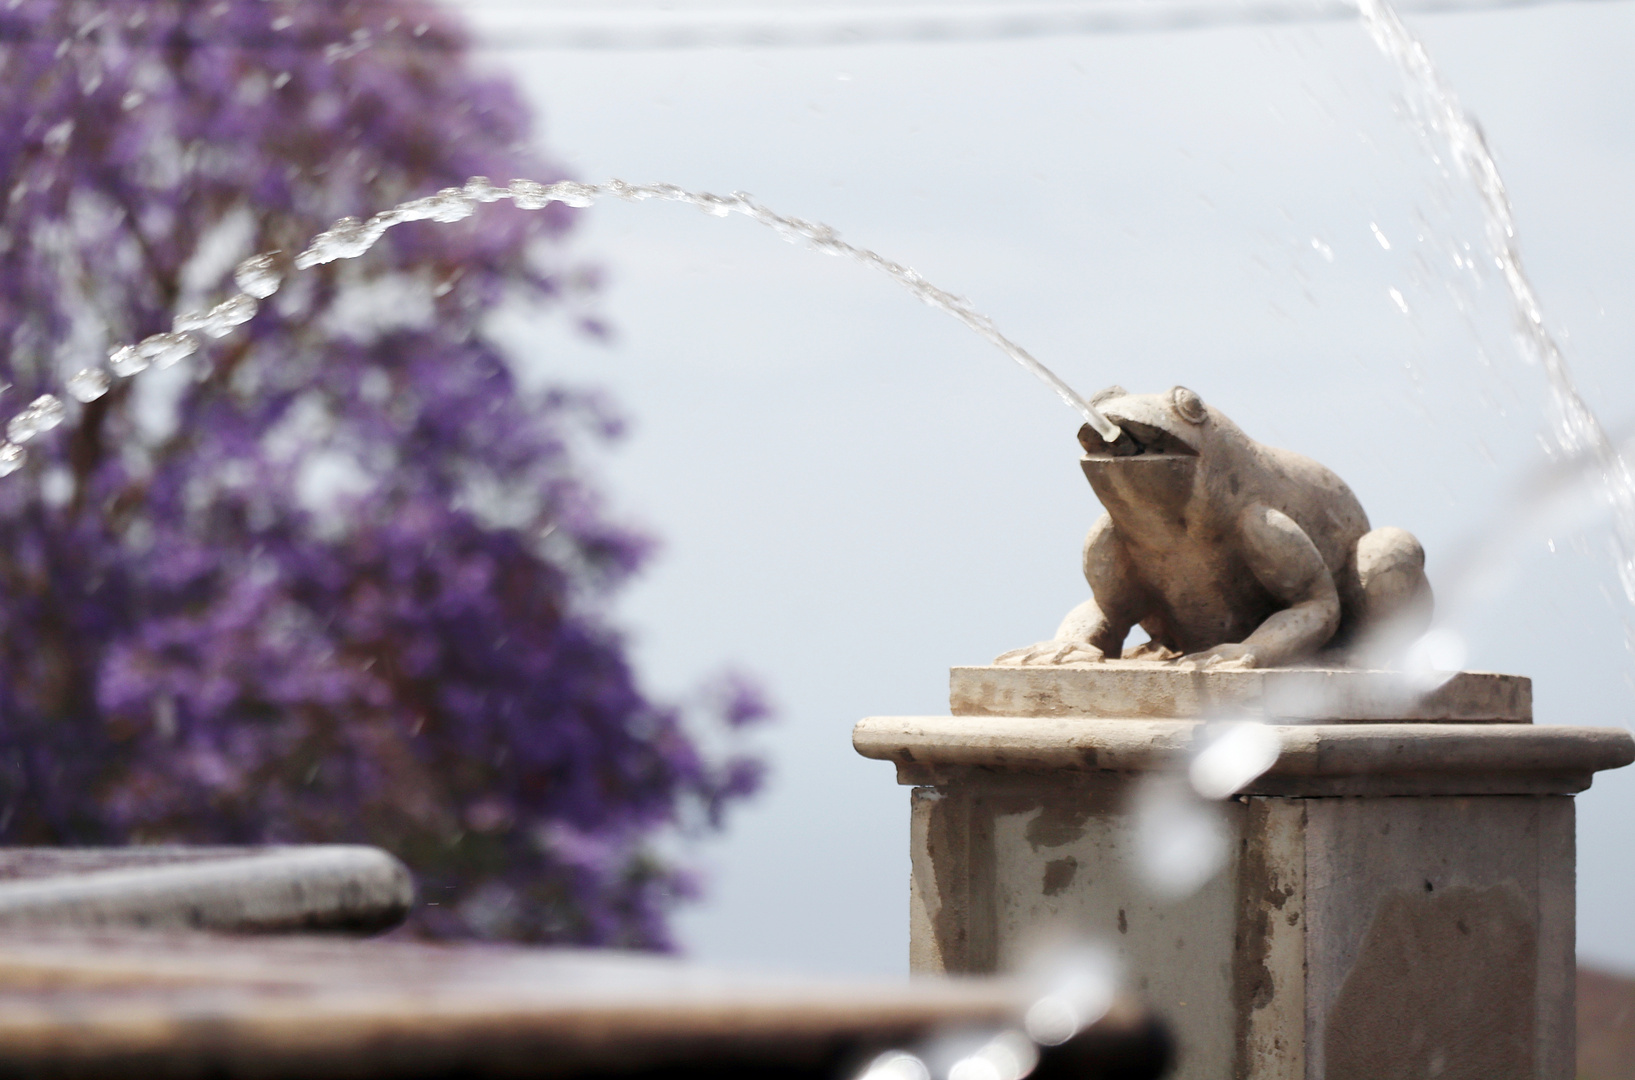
(335, 577)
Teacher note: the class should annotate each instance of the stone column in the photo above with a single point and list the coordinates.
(1398, 893)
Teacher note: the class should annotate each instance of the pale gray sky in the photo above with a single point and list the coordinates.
(854, 492)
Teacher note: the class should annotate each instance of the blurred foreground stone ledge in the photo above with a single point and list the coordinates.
(324, 887)
(131, 1003)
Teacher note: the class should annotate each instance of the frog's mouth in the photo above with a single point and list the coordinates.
(1135, 440)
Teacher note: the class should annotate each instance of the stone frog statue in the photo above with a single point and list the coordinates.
(1226, 552)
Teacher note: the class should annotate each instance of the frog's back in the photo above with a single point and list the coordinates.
(1319, 502)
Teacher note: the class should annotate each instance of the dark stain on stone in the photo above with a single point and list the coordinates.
(1444, 986)
(1059, 874)
(1059, 821)
(959, 847)
(1261, 904)
(1123, 923)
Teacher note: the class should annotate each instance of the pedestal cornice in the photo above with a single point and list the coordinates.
(1316, 760)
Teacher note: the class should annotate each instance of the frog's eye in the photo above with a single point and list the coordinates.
(1188, 404)
(1104, 395)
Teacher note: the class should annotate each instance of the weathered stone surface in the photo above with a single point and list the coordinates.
(1344, 938)
(1440, 937)
(1316, 760)
(320, 887)
(1007, 867)
(1396, 900)
(1227, 551)
(124, 1004)
(1132, 690)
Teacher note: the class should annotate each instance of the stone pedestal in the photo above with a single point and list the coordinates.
(1398, 892)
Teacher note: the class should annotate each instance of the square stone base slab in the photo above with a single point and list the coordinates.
(1134, 689)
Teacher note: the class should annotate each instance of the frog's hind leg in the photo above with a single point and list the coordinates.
(1391, 587)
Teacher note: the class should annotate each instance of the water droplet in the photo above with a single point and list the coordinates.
(23, 427)
(346, 239)
(529, 194)
(258, 275)
(1384, 243)
(88, 384)
(1009, 1055)
(127, 361)
(1322, 249)
(48, 411)
(1434, 658)
(451, 204)
(573, 193)
(166, 350)
(12, 457)
(1398, 299)
(1239, 754)
(1181, 840)
(1076, 986)
(58, 135)
(233, 311)
(896, 1065)
(481, 189)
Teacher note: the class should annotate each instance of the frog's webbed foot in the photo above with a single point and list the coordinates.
(1232, 656)
(1151, 650)
(1051, 652)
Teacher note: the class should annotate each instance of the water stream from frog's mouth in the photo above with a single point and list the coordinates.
(260, 276)
(1577, 432)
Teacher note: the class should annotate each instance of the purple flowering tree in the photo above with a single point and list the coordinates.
(334, 577)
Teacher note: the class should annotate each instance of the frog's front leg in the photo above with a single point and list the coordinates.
(1095, 629)
(1288, 565)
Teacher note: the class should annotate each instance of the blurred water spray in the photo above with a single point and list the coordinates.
(1576, 431)
(1182, 838)
(896, 1065)
(1433, 658)
(1074, 983)
(1237, 753)
(1004, 1055)
(1068, 984)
